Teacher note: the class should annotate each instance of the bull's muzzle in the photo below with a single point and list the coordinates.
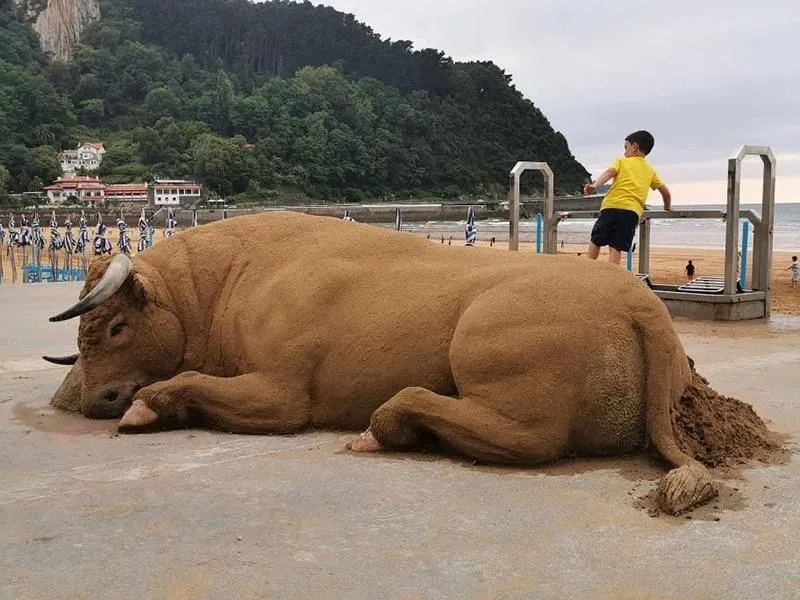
(109, 402)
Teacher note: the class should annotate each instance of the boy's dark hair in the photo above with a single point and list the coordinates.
(794, 258)
(643, 139)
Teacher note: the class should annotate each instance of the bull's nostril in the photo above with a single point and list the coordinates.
(110, 395)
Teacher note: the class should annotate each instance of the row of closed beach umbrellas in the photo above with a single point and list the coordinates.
(24, 245)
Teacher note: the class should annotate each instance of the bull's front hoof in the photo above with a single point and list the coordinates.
(138, 417)
(366, 442)
(684, 488)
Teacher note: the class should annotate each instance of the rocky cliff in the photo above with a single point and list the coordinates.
(59, 23)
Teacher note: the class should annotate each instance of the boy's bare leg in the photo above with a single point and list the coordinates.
(594, 250)
(614, 255)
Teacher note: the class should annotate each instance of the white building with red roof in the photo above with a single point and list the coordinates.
(126, 194)
(174, 192)
(88, 156)
(81, 189)
(90, 191)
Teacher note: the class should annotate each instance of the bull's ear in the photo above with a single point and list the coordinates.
(143, 289)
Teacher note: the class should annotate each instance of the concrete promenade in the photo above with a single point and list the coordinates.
(194, 514)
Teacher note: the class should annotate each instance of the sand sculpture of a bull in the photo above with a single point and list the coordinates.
(280, 322)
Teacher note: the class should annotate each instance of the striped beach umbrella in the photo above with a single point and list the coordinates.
(83, 241)
(37, 244)
(56, 244)
(69, 246)
(11, 247)
(171, 224)
(143, 225)
(24, 237)
(101, 244)
(471, 233)
(124, 241)
(398, 220)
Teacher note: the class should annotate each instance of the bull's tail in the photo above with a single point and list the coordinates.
(668, 375)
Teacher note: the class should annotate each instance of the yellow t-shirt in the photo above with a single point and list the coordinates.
(635, 177)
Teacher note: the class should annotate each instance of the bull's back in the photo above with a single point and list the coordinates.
(361, 312)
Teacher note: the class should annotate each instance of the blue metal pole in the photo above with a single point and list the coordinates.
(539, 225)
(745, 240)
(630, 259)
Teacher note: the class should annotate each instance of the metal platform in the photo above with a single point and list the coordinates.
(707, 284)
(708, 297)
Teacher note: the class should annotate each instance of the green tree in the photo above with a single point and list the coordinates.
(161, 102)
(5, 176)
(45, 164)
(226, 166)
(222, 103)
(92, 111)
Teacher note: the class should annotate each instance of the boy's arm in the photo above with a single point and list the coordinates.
(666, 196)
(605, 176)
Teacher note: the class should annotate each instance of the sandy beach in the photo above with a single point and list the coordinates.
(666, 264)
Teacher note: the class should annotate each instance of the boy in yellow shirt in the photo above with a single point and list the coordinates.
(623, 205)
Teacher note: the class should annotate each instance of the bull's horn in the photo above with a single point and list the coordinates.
(115, 275)
(62, 360)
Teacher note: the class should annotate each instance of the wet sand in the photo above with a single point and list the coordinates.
(203, 514)
(667, 266)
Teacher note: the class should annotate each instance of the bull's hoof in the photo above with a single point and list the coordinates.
(684, 488)
(366, 442)
(138, 417)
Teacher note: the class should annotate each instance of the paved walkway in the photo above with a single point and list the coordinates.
(196, 514)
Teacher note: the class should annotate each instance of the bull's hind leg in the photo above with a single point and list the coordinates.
(252, 403)
(469, 427)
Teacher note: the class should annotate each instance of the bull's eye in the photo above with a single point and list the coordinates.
(117, 329)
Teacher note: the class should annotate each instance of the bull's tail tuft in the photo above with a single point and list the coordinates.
(668, 373)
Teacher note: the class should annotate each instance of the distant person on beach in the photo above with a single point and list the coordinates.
(795, 269)
(623, 205)
(689, 271)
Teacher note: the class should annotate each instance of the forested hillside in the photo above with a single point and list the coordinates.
(265, 100)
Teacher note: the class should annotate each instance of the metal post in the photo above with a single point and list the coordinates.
(762, 239)
(732, 225)
(539, 223)
(513, 217)
(629, 264)
(762, 253)
(743, 265)
(513, 211)
(550, 235)
(644, 245)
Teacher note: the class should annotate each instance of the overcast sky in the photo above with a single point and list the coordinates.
(704, 76)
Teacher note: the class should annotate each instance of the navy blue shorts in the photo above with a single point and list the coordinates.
(615, 227)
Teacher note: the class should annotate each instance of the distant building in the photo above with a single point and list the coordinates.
(127, 195)
(173, 192)
(90, 191)
(82, 189)
(88, 156)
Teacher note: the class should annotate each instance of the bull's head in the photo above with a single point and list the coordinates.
(128, 338)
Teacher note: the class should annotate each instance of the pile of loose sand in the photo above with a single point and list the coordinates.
(720, 431)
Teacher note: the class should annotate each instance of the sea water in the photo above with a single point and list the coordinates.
(672, 233)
